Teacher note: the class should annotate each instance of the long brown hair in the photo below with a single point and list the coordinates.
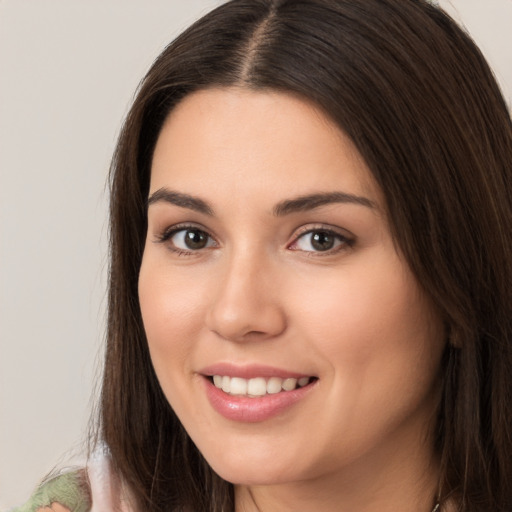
(420, 103)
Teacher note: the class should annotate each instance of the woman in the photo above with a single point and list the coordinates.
(310, 268)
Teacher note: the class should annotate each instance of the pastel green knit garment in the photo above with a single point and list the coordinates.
(69, 489)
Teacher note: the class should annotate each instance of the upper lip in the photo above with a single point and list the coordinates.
(249, 371)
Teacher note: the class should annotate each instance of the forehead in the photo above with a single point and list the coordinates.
(239, 139)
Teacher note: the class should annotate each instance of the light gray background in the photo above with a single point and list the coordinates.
(68, 70)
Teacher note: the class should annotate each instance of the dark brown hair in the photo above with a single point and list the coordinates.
(419, 101)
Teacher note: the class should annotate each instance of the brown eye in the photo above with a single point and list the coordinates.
(191, 239)
(320, 240)
(195, 239)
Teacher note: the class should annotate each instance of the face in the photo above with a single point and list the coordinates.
(285, 328)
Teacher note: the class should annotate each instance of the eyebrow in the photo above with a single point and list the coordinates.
(286, 207)
(312, 201)
(179, 199)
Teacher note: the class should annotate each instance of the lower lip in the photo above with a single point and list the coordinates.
(253, 410)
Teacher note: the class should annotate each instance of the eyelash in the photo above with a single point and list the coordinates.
(344, 242)
(173, 230)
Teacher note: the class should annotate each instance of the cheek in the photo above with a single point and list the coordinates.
(383, 343)
(374, 324)
(171, 310)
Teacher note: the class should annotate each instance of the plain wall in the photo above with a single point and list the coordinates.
(68, 70)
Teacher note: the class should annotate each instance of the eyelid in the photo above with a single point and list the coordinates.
(347, 238)
(165, 235)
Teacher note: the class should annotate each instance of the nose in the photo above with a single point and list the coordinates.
(247, 304)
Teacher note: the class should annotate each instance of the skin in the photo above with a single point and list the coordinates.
(259, 292)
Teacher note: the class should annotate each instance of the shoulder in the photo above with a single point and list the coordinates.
(96, 483)
(66, 492)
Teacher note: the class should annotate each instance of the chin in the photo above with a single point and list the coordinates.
(252, 476)
(246, 468)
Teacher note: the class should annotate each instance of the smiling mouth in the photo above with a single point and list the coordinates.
(258, 386)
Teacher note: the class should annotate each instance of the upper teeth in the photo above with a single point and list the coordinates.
(257, 386)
